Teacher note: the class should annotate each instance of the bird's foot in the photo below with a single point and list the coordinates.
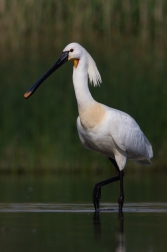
(96, 196)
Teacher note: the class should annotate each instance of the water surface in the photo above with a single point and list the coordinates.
(55, 213)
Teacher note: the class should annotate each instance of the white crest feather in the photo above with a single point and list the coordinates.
(79, 51)
(93, 73)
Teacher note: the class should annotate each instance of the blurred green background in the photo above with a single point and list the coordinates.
(126, 38)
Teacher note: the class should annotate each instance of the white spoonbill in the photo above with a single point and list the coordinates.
(111, 132)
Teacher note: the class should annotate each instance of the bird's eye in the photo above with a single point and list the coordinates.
(71, 50)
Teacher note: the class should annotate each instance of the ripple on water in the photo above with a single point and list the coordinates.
(61, 207)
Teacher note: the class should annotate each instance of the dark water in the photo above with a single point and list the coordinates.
(55, 213)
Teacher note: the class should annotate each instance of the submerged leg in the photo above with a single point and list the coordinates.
(97, 188)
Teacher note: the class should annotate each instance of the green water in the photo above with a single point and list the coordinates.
(139, 185)
(55, 213)
(77, 232)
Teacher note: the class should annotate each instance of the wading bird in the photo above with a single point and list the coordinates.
(111, 132)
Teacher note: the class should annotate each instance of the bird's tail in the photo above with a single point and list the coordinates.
(144, 161)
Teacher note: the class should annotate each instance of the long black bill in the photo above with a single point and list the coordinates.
(63, 58)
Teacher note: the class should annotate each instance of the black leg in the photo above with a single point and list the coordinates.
(97, 188)
(121, 197)
(121, 175)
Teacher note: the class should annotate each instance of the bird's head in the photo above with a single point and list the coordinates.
(75, 52)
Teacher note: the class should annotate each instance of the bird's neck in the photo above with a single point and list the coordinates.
(83, 95)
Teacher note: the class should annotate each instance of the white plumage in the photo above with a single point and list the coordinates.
(111, 132)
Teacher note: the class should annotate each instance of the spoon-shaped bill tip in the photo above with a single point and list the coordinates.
(27, 94)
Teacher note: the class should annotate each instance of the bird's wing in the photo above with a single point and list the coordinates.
(128, 136)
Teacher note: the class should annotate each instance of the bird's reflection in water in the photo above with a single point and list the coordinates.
(97, 225)
(119, 234)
